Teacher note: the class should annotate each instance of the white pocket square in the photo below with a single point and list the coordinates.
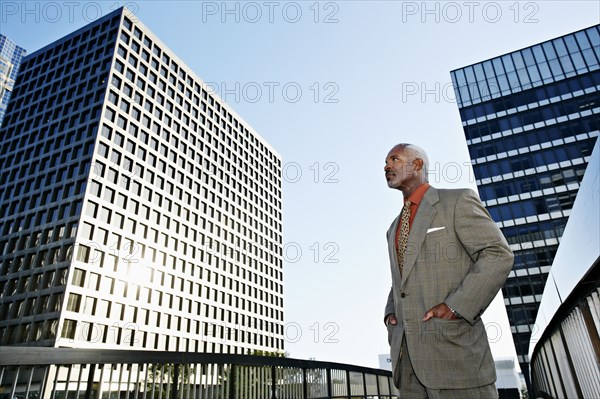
(431, 230)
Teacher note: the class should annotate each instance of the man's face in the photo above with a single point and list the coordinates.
(400, 171)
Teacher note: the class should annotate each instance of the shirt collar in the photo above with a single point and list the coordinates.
(417, 195)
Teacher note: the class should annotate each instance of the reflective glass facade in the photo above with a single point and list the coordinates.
(531, 119)
(137, 209)
(565, 351)
(10, 60)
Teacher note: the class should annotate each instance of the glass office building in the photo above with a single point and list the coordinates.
(138, 210)
(531, 118)
(10, 59)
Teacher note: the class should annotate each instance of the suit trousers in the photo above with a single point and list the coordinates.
(411, 387)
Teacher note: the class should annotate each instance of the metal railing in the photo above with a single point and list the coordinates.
(66, 373)
(566, 360)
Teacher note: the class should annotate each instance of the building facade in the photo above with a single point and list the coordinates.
(138, 210)
(565, 354)
(531, 118)
(508, 382)
(11, 56)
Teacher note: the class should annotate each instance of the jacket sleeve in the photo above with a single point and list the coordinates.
(491, 258)
(389, 306)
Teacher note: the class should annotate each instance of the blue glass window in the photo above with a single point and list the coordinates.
(518, 210)
(567, 65)
(510, 187)
(493, 169)
(594, 36)
(539, 159)
(494, 87)
(488, 68)
(462, 85)
(506, 143)
(578, 61)
(472, 83)
(520, 64)
(518, 60)
(467, 113)
(539, 54)
(534, 74)
(556, 70)
(480, 171)
(481, 82)
(479, 72)
(504, 87)
(453, 77)
(486, 192)
(582, 40)
(571, 44)
(547, 113)
(524, 78)
(508, 64)
(545, 71)
(549, 50)
(561, 154)
(549, 157)
(504, 212)
(457, 94)
(506, 166)
(520, 140)
(590, 59)
(515, 122)
(574, 152)
(560, 47)
(493, 210)
(499, 190)
(470, 75)
(540, 205)
(498, 67)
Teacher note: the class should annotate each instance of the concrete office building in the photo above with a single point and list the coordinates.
(508, 382)
(531, 118)
(137, 209)
(10, 60)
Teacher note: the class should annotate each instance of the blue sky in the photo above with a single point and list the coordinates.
(332, 86)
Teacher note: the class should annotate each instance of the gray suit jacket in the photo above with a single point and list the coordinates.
(457, 255)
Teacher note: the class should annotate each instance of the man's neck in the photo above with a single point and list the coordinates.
(407, 192)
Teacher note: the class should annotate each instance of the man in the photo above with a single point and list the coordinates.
(448, 261)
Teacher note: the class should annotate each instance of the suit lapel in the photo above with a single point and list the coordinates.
(391, 237)
(418, 231)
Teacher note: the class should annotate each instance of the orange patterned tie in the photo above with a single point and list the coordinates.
(403, 236)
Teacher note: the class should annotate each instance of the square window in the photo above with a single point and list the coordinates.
(68, 329)
(74, 302)
(78, 277)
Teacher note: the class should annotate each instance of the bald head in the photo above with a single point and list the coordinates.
(414, 152)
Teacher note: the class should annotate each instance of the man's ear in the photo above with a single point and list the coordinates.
(418, 164)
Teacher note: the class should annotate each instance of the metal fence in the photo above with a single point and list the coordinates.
(566, 360)
(66, 373)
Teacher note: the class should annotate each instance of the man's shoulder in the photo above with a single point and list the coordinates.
(454, 193)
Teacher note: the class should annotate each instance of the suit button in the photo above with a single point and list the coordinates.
(402, 295)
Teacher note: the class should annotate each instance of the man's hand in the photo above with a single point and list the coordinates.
(391, 319)
(441, 311)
